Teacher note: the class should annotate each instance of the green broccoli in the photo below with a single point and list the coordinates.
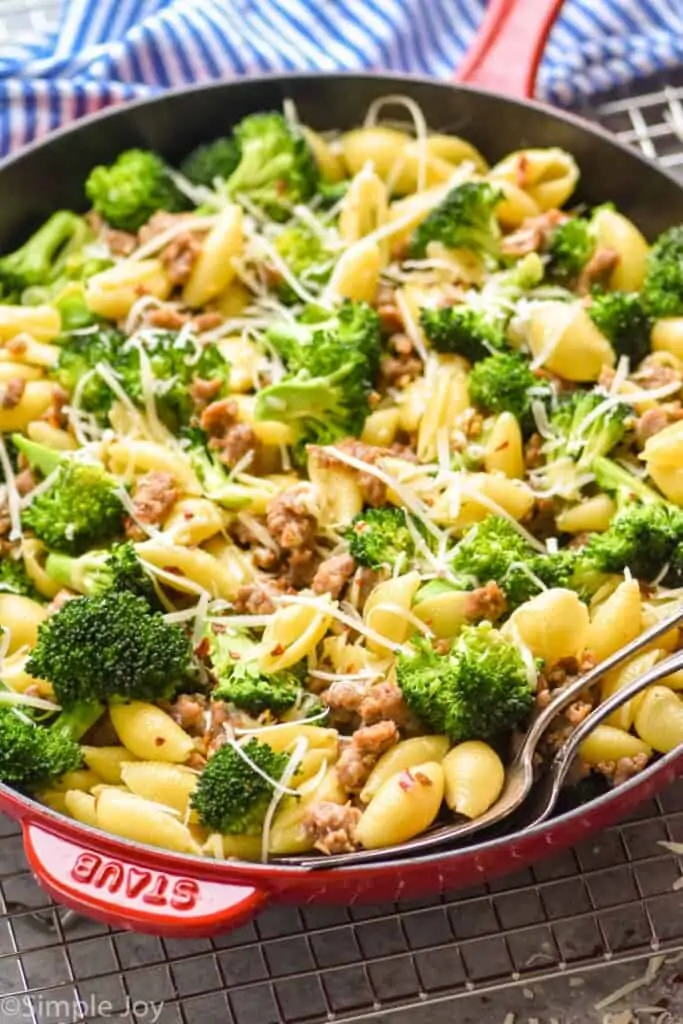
(100, 572)
(217, 483)
(32, 754)
(479, 690)
(14, 578)
(642, 538)
(464, 330)
(127, 192)
(621, 318)
(276, 169)
(79, 354)
(234, 662)
(570, 247)
(626, 487)
(583, 428)
(381, 537)
(332, 365)
(663, 285)
(332, 192)
(112, 647)
(80, 508)
(493, 550)
(231, 797)
(174, 362)
(69, 299)
(465, 219)
(212, 162)
(505, 382)
(40, 260)
(304, 252)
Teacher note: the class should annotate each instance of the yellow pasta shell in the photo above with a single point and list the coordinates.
(21, 617)
(616, 621)
(659, 719)
(406, 754)
(106, 762)
(553, 625)
(474, 777)
(133, 818)
(169, 784)
(213, 270)
(112, 292)
(606, 743)
(150, 733)
(81, 806)
(403, 807)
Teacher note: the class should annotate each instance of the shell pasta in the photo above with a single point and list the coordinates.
(325, 460)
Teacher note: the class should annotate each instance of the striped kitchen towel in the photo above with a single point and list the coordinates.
(108, 51)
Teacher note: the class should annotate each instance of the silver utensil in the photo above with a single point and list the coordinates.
(519, 776)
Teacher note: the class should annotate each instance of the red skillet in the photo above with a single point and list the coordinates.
(146, 889)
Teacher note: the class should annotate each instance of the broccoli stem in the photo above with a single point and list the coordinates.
(75, 573)
(625, 486)
(75, 722)
(39, 456)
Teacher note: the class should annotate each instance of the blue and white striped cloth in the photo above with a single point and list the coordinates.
(108, 51)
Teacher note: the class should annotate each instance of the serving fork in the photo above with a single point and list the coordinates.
(520, 774)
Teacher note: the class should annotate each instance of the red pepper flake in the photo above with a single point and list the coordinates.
(406, 781)
(159, 741)
(423, 779)
(277, 650)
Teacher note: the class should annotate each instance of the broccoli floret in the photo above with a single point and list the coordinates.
(233, 798)
(464, 330)
(494, 550)
(14, 578)
(479, 690)
(505, 382)
(127, 192)
(642, 538)
(80, 508)
(40, 260)
(663, 285)
(174, 362)
(621, 318)
(211, 162)
(332, 366)
(570, 247)
(583, 428)
(381, 537)
(100, 572)
(234, 662)
(332, 192)
(110, 647)
(304, 252)
(276, 168)
(31, 754)
(465, 219)
(79, 354)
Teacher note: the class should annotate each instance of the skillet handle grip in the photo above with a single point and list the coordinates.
(134, 894)
(508, 48)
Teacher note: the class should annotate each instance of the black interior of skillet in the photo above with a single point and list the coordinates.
(42, 179)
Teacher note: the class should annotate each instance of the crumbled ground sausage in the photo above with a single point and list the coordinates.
(650, 423)
(188, 710)
(291, 516)
(166, 318)
(158, 223)
(258, 598)
(204, 391)
(333, 826)
(300, 567)
(597, 270)
(623, 769)
(207, 321)
(401, 364)
(533, 452)
(360, 756)
(387, 309)
(219, 416)
(487, 602)
(154, 496)
(5, 520)
(652, 374)
(333, 574)
(231, 439)
(384, 702)
(533, 233)
(12, 393)
(180, 256)
(344, 698)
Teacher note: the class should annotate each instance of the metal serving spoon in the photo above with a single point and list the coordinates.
(519, 776)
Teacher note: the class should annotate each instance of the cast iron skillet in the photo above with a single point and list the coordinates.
(139, 887)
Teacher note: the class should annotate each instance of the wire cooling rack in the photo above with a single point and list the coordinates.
(550, 945)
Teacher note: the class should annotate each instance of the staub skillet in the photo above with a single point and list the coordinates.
(146, 889)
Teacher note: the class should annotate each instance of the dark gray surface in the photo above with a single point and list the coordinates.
(542, 947)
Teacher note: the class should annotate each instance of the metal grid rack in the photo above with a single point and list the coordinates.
(545, 946)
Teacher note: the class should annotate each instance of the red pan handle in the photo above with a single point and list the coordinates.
(130, 894)
(508, 48)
